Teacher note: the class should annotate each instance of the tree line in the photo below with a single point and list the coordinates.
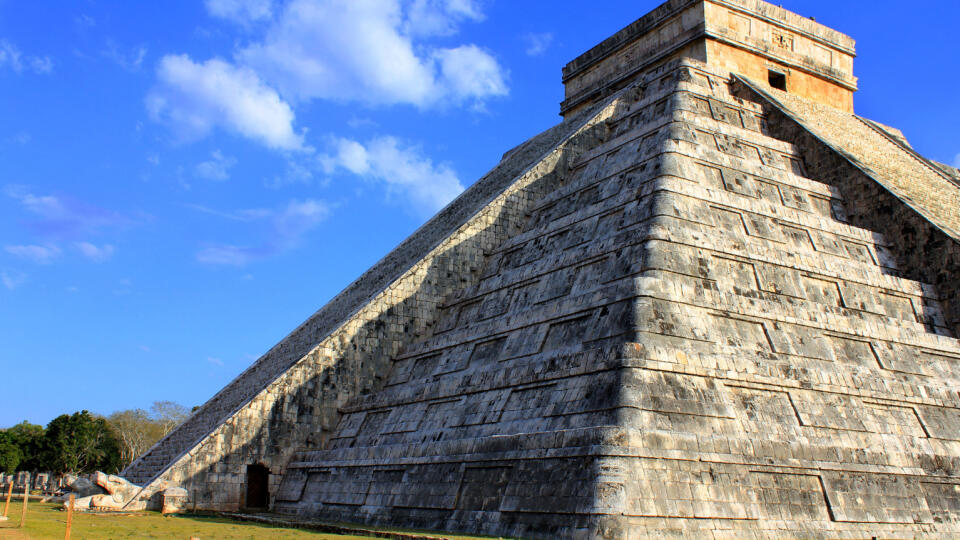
(84, 442)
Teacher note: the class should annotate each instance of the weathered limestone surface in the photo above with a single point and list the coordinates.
(748, 37)
(83, 487)
(890, 188)
(690, 335)
(698, 307)
(105, 493)
(291, 397)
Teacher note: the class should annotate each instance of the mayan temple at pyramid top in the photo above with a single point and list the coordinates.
(712, 302)
(749, 37)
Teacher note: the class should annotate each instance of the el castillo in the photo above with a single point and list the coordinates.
(711, 302)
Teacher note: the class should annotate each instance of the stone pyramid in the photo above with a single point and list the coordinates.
(711, 302)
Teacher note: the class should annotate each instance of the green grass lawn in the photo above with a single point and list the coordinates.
(48, 521)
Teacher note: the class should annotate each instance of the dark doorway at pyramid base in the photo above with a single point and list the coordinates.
(258, 486)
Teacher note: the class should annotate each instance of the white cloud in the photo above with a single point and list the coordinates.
(241, 11)
(466, 8)
(93, 252)
(195, 98)
(365, 50)
(342, 50)
(12, 280)
(956, 161)
(439, 17)
(10, 56)
(217, 167)
(402, 169)
(469, 71)
(538, 44)
(45, 254)
(284, 229)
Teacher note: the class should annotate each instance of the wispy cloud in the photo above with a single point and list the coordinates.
(357, 123)
(537, 43)
(124, 287)
(246, 215)
(41, 65)
(12, 280)
(956, 161)
(130, 60)
(11, 57)
(60, 216)
(240, 11)
(93, 252)
(45, 254)
(215, 361)
(282, 230)
(295, 172)
(400, 168)
(21, 138)
(84, 21)
(217, 168)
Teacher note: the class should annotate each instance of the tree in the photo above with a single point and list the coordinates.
(81, 443)
(169, 415)
(10, 455)
(29, 439)
(136, 432)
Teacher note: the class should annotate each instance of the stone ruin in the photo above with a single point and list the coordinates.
(99, 492)
(711, 301)
(45, 482)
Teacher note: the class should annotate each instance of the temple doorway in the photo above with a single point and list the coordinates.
(258, 486)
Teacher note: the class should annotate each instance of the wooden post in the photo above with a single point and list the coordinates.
(6, 505)
(69, 516)
(26, 496)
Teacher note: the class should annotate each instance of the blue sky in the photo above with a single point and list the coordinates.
(183, 183)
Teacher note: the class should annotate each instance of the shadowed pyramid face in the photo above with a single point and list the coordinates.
(698, 306)
(688, 326)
